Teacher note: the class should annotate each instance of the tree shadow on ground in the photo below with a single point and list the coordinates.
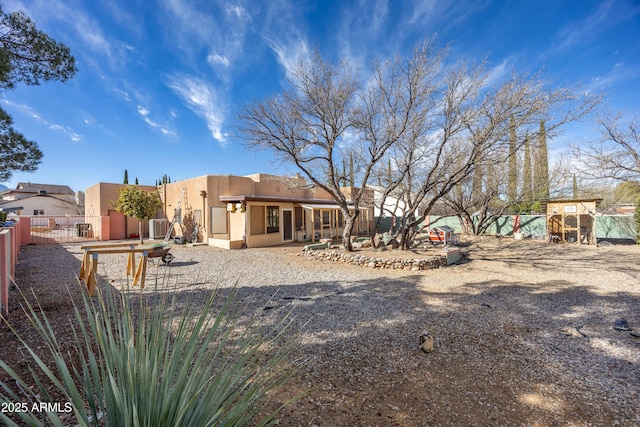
(502, 352)
(506, 353)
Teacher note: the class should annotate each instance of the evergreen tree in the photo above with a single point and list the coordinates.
(575, 187)
(541, 183)
(352, 174)
(527, 181)
(136, 180)
(344, 173)
(29, 56)
(512, 183)
(126, 177)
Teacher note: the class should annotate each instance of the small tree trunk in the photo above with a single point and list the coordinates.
(140, 230)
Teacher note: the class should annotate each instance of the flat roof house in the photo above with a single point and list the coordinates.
(234, 212)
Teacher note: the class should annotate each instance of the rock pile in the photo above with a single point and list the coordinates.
(374, 262)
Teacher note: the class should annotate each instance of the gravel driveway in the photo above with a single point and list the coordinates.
(524, 331)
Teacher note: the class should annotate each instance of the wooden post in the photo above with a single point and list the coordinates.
(131, 262)
(84, 265)
(93, 272)
(141, 270)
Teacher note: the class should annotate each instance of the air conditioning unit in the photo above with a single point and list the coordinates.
(157, 228)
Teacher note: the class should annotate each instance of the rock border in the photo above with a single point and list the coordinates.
(416, 264)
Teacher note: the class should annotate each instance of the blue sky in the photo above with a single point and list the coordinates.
(160, 81)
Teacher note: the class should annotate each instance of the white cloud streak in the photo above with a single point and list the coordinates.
(37, 117)
(284, 35)
(144, 112)
(202, 99)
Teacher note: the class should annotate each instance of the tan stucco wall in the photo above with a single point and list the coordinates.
(203, 192)
(98, 197)
(98, 200)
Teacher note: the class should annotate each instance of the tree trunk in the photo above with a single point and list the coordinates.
(346, 233)
(140, 230)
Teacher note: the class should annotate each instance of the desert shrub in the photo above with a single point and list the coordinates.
(155, 360)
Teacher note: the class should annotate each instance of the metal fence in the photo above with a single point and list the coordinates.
(56, 229)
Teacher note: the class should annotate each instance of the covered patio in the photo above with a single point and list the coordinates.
(326, 221)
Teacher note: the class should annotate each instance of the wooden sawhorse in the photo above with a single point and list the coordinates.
(89, 265)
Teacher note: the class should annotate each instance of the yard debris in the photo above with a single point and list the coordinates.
(621, 325)
(426, 342)
(580, 332)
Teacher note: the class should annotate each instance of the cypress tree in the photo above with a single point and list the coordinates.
(352, 174)
(512, 183)
(543, 162)
(542, 166)
(344, 173)
(126, 177)
(527, 181)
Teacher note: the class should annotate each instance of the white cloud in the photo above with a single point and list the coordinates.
(218, 60)
(202, 99)
(284, 33)
(238, 11)
(289, 53)
(618, 74)
(144, 112)
(500, 72)
(30, 112)
(607, 15)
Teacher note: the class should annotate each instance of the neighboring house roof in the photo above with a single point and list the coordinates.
(9, 203)
(34, 188)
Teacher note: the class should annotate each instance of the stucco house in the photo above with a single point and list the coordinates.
(234, 212)
(41, 199)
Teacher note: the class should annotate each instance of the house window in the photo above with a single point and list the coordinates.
(38, 211)
(273, 219)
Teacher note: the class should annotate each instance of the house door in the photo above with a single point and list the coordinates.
(287, 225)
(117, 226)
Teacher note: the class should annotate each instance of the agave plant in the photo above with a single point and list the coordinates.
(156, 361)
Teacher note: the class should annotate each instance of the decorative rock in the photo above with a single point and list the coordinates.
(374, 262)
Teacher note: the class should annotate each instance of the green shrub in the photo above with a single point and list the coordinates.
(156, 361)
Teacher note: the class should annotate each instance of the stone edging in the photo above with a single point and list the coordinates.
(376, 262)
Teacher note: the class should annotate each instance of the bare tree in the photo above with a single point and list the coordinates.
(617, 154)
(471, 132)
(327, 116)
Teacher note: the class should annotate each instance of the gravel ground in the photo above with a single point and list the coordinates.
(523, 330)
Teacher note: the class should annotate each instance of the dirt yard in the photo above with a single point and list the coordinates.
(524, 331)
